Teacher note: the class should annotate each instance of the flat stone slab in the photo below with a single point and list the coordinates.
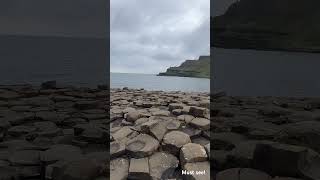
(139, 169)
(141, 146)
(177, 112)
(192, 152)
(8, 173)
(86, 104)
(309, 131)
(133, 115)
(100, 156)
(162, 165)
(19, 145)
(4, 124)
(220, 158)
(94, 135)
(191, 131)
(205, 103)
(198, 111)
(47, 129)
(174, 140)
(17, 131)
(201, 123)
(25, 158)
(138, 123)
(119, 169)
(51, 116)
(200, 140)
(28, 172)
(145, 127)
(173, 106)
(173, 125)
(79, 169)
(227, 140)
(160, 129)
(122, 133)
(242, 173)
(19, 118)
(186, 118)
(243, 153)
(273, 111)
(70, 122)
(60, 152)
(6, 95)
(117, 149)
(198, 171)
(161, 113)
(287, 160)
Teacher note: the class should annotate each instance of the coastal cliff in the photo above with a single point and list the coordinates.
(289, 25)
(191, 68)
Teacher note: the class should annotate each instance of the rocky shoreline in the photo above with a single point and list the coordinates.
(58, 133)
(264, 138)
(53, 132)
(156, 134)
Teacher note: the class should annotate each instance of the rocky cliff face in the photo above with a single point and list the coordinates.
(268, 24)
(191, 68)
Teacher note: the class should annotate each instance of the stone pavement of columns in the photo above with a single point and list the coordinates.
(265, 138)
(52, 132)
(156, 135)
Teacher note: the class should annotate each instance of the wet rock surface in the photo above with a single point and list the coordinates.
(53, 132)
(265, 138)
(153, 127)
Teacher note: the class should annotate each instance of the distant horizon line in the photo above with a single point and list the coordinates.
(132, 73)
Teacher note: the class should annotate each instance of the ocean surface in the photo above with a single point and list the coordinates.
(154, 82)
(266, 73)
(71, 61)
(82, 62)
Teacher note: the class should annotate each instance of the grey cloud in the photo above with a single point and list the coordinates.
(148, 36)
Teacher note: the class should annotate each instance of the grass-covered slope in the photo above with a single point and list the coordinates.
(191, 68)
(269, 24)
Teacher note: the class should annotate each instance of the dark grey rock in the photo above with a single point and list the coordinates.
(198, 111)
(201, 123)
(25, 158)
(139, 169)
(174, 140)
(49, 85)
(117, 173)
(117, 149)
(192, 152)
(141, 146)
(162, 165)
(245, 174)
(79, 169)
(60, 152)
(201, 171)
(17, 131)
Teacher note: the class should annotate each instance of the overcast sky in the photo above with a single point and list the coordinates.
(147, 36)
(78, 18)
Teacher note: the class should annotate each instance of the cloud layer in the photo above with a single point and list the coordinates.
(148, 36)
